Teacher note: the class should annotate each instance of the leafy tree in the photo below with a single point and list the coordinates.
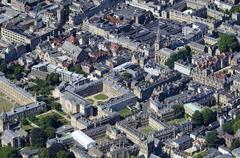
(25, 121)
(197, 118)
(211, 139)
(53, 79)
(234, 9)
(236, 126)
(42, 87)
(77, 68)
(208, 116)
(54, 149)
(64, 154)
(8, 152)
(179, 111)
(228, 42)
(44, 153)
(56, 106)
(183, 54)
(3, 67)
(50, 132)
(50, 121)
(127, 75)
(38, 137)
(227, 127)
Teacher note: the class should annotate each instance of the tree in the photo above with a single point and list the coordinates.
(77, 68)
(211, 139)
(228, 42)
(38, 137)
(54, 149)
(184, 54)
(227, 127)
(50, 121)
(64, 154)
(3, 67)
(234, 9)
(53, 79)
(179, 111)
(197, 118)
(208, 116)
(44, 153)
(56, 106)
(236, 126)
(8, 152)
(50, 132)
(127, 75)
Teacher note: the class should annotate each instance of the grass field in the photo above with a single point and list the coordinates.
(63, 120)
(6, 104)
(147, 130)
(125, 112)
(97, 98)
(91, 100)
(177, 121)
(27, 127)
(101, 97)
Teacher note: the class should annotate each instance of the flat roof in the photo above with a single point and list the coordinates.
(193, 106)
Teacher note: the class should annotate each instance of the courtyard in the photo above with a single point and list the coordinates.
(97, 98)
(147, 129)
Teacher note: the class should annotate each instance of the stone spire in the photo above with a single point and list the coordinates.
(157, 41)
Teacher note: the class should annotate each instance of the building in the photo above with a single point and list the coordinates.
(183, 67)
(191, 108)
(83, 139)
(119, 103)
(14, 92)
(15, 138)
(73, 103)
(43, 69)
(163, 55)
(20, 112)
(29, 153)
(183, 142)
(182, 17)
(163, 111)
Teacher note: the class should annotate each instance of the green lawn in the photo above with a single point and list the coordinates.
(91, 100)
(201, 154)
(7, 105)
(27, 127)
(101, 96)
(60, 118)
(125, 112)
(147, 130)
(177, 121)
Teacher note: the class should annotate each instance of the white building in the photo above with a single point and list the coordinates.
(83, 139)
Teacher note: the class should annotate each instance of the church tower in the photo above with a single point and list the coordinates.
(157, 41)
(157, 46)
